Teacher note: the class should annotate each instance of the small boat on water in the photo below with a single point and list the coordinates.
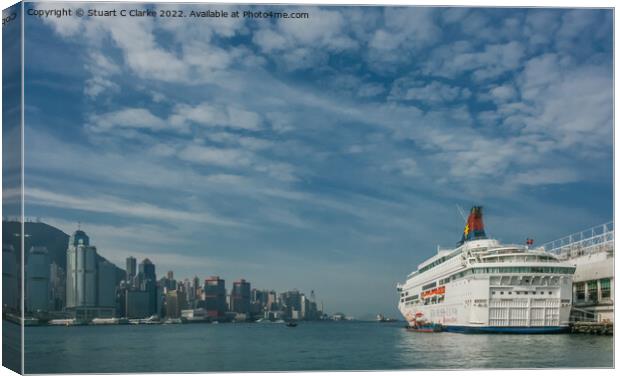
(291, 324)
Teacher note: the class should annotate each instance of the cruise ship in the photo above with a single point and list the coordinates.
(485, 286)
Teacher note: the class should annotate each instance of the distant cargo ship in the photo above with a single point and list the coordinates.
(484, 286)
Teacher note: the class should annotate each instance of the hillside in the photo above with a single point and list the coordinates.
(42, 234)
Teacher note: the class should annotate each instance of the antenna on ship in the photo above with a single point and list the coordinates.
(461, 212)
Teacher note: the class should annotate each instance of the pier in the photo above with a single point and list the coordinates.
(586, 327)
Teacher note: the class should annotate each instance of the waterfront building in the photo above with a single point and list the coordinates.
(160, 300)
(130, 269)
(191, 292)
(121, 299)
(38, 280)
(175, 303)
(260, 297)
(136, 303)
(592, 253)
(240, 296)
(81, 272)
(89, 294)
(168, 282)
(273, 315)
(148, 283)
(106, 274)
(196, 314)
(273, 303)
(58, 287)
(290, 301)
(10, 286)
(214, 297)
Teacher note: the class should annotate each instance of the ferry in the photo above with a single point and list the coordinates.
(482, 286)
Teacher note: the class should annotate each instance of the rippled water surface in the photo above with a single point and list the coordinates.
(309, 346)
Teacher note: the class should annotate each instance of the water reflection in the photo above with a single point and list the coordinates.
(477, 351)
(310, 346)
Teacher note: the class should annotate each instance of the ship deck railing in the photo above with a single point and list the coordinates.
(593, 240)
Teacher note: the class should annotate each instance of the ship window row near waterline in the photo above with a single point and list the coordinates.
(509, 269)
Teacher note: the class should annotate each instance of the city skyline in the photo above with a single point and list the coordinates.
(330, 151)
(90, 287)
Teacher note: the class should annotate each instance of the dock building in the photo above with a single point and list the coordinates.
(592, 252)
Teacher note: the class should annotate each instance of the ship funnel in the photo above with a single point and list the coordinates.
(474, 228)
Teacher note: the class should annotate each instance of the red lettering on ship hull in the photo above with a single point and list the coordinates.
(441, 290)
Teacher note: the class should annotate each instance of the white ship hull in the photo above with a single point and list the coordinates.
(483, 286)
(470, 306)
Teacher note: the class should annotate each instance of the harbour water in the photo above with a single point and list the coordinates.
(309, 346)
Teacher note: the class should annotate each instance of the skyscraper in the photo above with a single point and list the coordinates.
(90, 284)
(214, 297)
(58, 286)
(148, 283)
(81, 272)
(240, 296)
(291, 302)
(38, 280)
(175, 302)
(10, 291)
(106, 276)
(136, 304)
(130, 268)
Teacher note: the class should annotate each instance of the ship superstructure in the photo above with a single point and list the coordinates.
(485, 286)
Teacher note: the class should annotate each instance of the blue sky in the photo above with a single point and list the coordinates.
(326, 154)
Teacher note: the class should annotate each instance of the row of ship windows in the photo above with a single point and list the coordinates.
(524, 292)
(437, 262)
(509, 269)
(432, 300)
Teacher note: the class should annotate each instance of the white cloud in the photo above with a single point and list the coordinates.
(251, 143)
(503, 93)
(545, 176)
(117, 206)
(490, 62)
(407, 167)
(216, 156)
(302, 44)
(406, 27)
(570, 104)
(212, 114)
(128, 118)
(434, 92)
(97, 85)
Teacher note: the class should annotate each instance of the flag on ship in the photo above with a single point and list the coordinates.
(474, 228)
